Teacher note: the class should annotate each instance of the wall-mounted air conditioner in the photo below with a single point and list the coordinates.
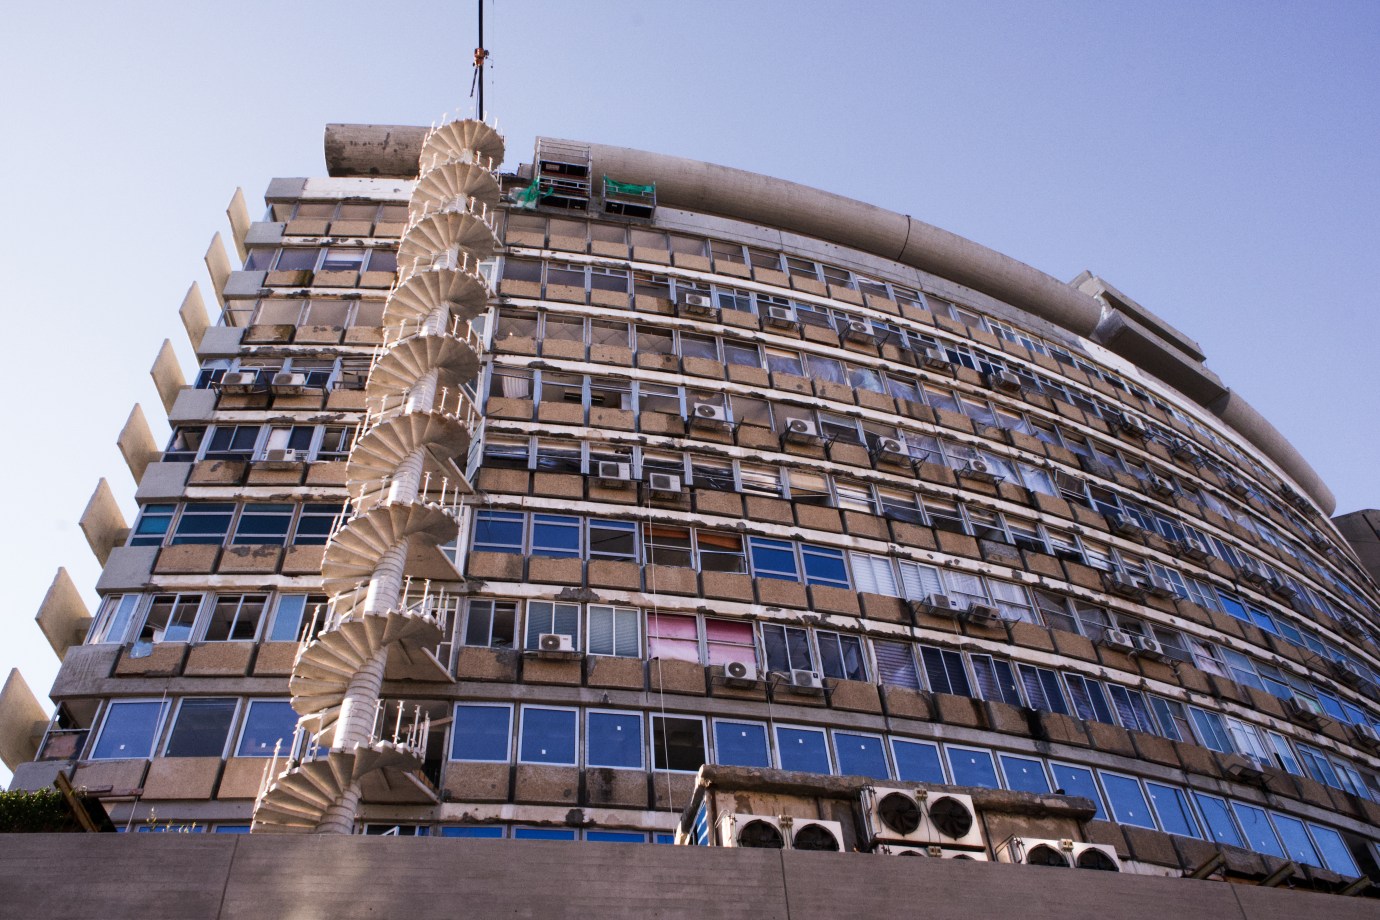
(1366, 736)
(664, 485)
(555, 645)
(239, 381)
(917, 816)
(1161, 486)
(740, 674)
(1236, 486)
(613, 475)
(1123, 525)
(1096, 856)
(1159, 586)
(1118, 640)
(1302, 714)
(981, 614)
(806, 680)
(938, 605)
(816, 835)
(1348, 673)
(753, 831)
(283, 455)
(935, 359)
(781, 317)
(1033, 851)
(891, 449)
(801, 431)
(708, 415)
(1148, 647)
(1123, 585)
(699, 304)
(859, 330)
(978, 469)
(1004, 380)
(286, 383)
(1132, 426)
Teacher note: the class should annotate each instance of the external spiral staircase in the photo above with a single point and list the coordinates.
(406, 490)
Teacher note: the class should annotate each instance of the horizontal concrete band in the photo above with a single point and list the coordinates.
(392, 151)
(210, 877)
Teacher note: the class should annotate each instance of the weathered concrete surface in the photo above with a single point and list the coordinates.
(209, 877)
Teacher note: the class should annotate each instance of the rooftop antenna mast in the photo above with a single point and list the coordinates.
(480, 55)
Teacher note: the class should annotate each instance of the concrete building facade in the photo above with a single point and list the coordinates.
(618, 497)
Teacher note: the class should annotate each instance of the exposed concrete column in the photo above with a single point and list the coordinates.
(437, 322)
(407, 478)
(340, 816)
(385, 586)
(356, 723)
(422, 396)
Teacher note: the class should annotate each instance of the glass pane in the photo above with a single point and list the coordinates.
(917, 762)
(803, 749)
(268, 726)
(615, 740)
(548, 736)
(201, 728)
(973, 768)
(1127, 800)
(1296, 842)
(1172, 807)
(1077, 781)
(1219, 820)
(741, 744)
(861, 755)
(1024, 774)
(1260, 836)
(129, 731)
(481, 733)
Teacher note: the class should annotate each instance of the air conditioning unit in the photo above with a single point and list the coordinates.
(697, 303)
(1280, 588)
(289, 383)
(1348, 673)
(981, 614)
(859, 330)
(1031, 851)
(239, 381)
(613, 475)
(1149, 647)
(754, 831)
(951, 821)
(1351, 627)
(1096, 856)
(1117, 639)
(895, 814)
(1158, 586)
(891, 449)
(1254, 576)
(1004, 380)
(938, 605)
(1189, 550)
(801, 430)
(935, 359)
(1124, 526)
(1161, 486)
(557, 645)
(283, 455)
(930, 852)
(819, 836)
(740, 674)
(708, 414)
(1236, 486)
(1132, 426)
(1302, 714)
(1124, 585)
(1366, 736)
(664, 485)
(1320, 541)
(1183, 451)
(806, 680)
(977, 469)
(1243, 769)
(781, 317)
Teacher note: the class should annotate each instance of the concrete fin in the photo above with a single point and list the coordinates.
(63, 616)
(102, 522)
(238, 213)
(22, 720)
(195, 319)
(167, 375)
(136, 443)
(218, 264)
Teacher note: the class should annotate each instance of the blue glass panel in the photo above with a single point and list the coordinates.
(802, 749)
(917, 762)
(484, 833)
(269, 722)
(1334, 851)
(129, 731)
(972, 768)
(232, 828)
(548, 736)
(1171, 805)
(1024, 774)
(1296, 842)
(615, 837)
(1220, 825)
(1260, 836)
(664, 839)
(1127, 800)
(824, 566)
(1078, 781)
(774, 559)
(542, 833)
(481, 733)
(861, 755)
(615, 740)
(493, 529)
(741, 744)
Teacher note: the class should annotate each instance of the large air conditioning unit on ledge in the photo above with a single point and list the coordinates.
(754, 831)
(815, 835)
(932, 852)
(708, 415)
(555, 645)
(781, 317)
(699, 304)
(1033, 851)
(801, 431)
(1118, 640)
(919, 817)
(740, 674)
(664, 485)
(613, 475)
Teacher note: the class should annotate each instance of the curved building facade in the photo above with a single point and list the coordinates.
(505, 502)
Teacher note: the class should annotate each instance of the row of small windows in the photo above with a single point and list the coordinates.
(236, 523)
(708, 550)
(1097, 456)
(198, 617)
(315, 443)
(322, 259)
(258, 372)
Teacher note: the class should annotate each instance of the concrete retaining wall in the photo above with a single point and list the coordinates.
(209, 877)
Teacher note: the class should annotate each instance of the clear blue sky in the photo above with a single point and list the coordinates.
(1214, 160)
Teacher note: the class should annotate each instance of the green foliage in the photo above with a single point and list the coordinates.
(41, 812)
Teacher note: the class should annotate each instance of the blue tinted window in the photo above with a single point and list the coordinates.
(542, 833)
(486, 833)
(1220, 825)
(1296, 842)
(741, 744)
(548, 736)
(232, 828)
(972, 768)
(664, 839)
(615, 837)
(1171, 804)
(1235, 607)
(1127, 801)
(917, 762)
(861, 755)
(270, 724)
(615, 740)
(824, 566)
(1334, 851)
(498, 531)
(1077, 781)
(1260, 836)
(1024, 774)
(803, 749)
(774, 559)
(481, 733)
(555, 535)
